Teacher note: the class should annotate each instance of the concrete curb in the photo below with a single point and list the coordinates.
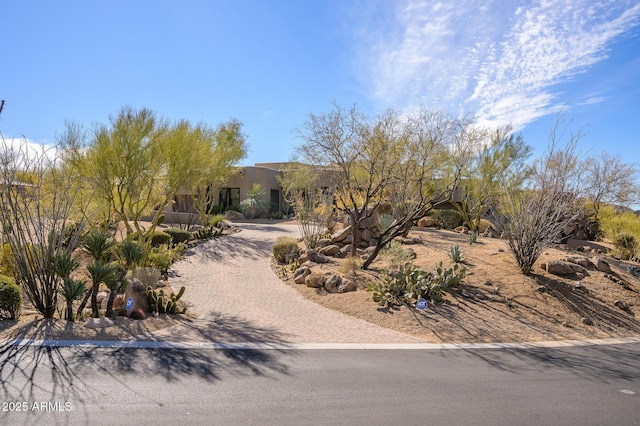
(144, 344)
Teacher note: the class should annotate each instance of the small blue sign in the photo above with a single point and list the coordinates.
(129, 304)
(421, 304)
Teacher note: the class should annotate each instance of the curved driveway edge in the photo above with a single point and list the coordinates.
(230, 284)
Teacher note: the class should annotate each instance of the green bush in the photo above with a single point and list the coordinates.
(284, 247)
(448, 219)
(157, 238)
(163, 256)
(396, 254)
(217, 221)
(10, 298)
(626, 246)
(483, 225)
(178, 235)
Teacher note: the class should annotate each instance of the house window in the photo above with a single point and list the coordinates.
(229, 197)
(275, 200)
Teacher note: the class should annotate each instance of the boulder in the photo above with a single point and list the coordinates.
(316, 257)
(98, 323)
(330, 250)
(341, 234)
(582, 261)
(558, 267)
(347, 285)
(462, 230)
(324, 242)
(366, 235)
(427, 222)
(345, 250)
(102, 295)
(602, 265)
(135, 290)
(621, 304)
(333, 283)
(314, 280)
(300, 274)
(372, 221)
(233, 215)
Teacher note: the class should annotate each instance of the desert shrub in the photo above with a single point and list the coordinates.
(483, 225)
(634, 270)
(156, 239)
(163, 256)
(612, 223)
(7, 262)
(350, 265)
(385, 221)
(448, 219)
(626, 245)
(283, 248)
(384, 209)
(411, 283)
(217, 221)
(10, 298)
(277, 215)
(178, 235)
(396, 254)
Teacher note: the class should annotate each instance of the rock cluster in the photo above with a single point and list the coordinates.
(369, 230)
(329, 282)
(576, 265)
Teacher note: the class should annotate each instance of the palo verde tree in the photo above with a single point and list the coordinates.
(495, 163)
(138, 162)
(389, 159)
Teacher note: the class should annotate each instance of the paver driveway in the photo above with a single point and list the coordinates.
(230, 284)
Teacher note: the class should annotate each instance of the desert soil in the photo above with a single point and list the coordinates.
(495, 302)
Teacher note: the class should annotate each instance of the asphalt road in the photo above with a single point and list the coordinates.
(588, 385)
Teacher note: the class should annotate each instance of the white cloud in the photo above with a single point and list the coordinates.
(501, 61)
(25, 148)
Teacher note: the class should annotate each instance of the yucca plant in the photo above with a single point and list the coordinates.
(64, 264)
(99, 272)
(71, 290)
(98, 244)
(128, 253)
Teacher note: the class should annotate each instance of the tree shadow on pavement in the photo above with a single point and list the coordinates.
(598, 363)
(220, 328)
(51, 373)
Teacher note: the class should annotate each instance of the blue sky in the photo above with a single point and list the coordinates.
(270, 63)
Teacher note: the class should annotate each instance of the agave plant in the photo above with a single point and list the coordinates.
(71, 290)
(456, 255)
